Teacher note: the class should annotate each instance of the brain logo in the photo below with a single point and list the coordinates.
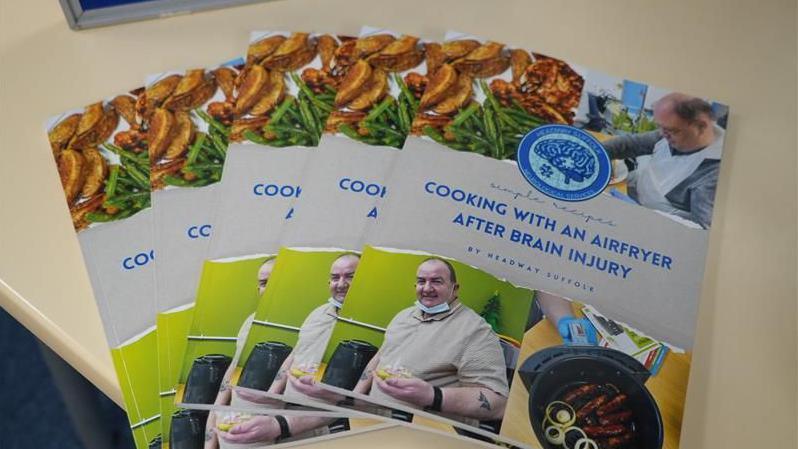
(564, 162)
(574, 161)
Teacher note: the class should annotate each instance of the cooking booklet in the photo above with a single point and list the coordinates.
(107, 190)
(377, 87)
(594, 189)
(187, 144)
(261, 184)
(273, 112)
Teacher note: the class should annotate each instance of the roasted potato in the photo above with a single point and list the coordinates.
(458, 95)
(95, 171)
(181, 136)
(249, 92)
(272, 94)
(259, 50)
(70, 170)
(375, 90)
(438, 85)
(353, 83)
(161, 125)
(62, 133)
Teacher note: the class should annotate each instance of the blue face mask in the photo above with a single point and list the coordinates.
(335, 303)
(440, 308)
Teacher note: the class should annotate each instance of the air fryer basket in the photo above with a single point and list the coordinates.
(551, 372)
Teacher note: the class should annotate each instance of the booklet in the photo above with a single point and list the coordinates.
(297, 109)
(375, 104)
(187, 151)
(588, 210)
(107, 190)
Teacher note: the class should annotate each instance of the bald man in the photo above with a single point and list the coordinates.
(455, 359)
(314, 333)
(685, 150)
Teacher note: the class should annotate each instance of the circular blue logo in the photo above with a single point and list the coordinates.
(564, 162)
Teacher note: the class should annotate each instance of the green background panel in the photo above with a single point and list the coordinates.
(226, 296)
(385, 284)
(136, 365)
(298, 284)
(172, 340)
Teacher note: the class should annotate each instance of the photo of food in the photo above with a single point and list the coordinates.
(102, 181)
(482, 96)
(374, 102)
(286, 89)
(584, 380)
(187, 145)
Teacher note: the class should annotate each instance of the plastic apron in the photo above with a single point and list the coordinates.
(665, 171)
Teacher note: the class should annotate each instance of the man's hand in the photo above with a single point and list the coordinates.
(263, 429)
(412, 390)
(307, 386)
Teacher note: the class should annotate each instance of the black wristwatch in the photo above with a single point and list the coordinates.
(437, 400)
(285, 432)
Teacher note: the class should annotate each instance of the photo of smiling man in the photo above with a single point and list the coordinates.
(307, 351)
(439, 355)
(439, 338)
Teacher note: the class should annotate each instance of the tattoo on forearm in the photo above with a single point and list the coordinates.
(280, 375)
(365, 375)
(208, 435)
(225, 386)
(483, 401)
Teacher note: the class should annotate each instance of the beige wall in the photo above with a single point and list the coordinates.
(742, 391)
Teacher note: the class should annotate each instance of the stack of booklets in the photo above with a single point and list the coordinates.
(332, 234)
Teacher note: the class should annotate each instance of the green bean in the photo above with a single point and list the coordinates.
(281, 110)
(113, 179)
(378, 128)
(212, 122)
(464, 135)
(193, 152)
(142, 180)
(463, 115)
(309, 93)
(135, 158)
(197, 167)
(102, 217)
(409, 95)
(379, 109)
(120, 200)
(176, 181)
(253, 137)
(219, 146)
(308, 119)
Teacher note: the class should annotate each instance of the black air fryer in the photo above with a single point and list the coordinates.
(205, 378)
(347, 363)
(188, 429)
(551, 372)
(263, 364)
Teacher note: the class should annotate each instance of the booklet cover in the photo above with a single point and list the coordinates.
(107, 190)
(374, 109)
(187, 151)
(591, 208)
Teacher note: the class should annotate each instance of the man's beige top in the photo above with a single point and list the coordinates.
(313, 338)
(454, 348)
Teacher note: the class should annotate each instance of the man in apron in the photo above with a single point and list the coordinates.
(682, 174)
